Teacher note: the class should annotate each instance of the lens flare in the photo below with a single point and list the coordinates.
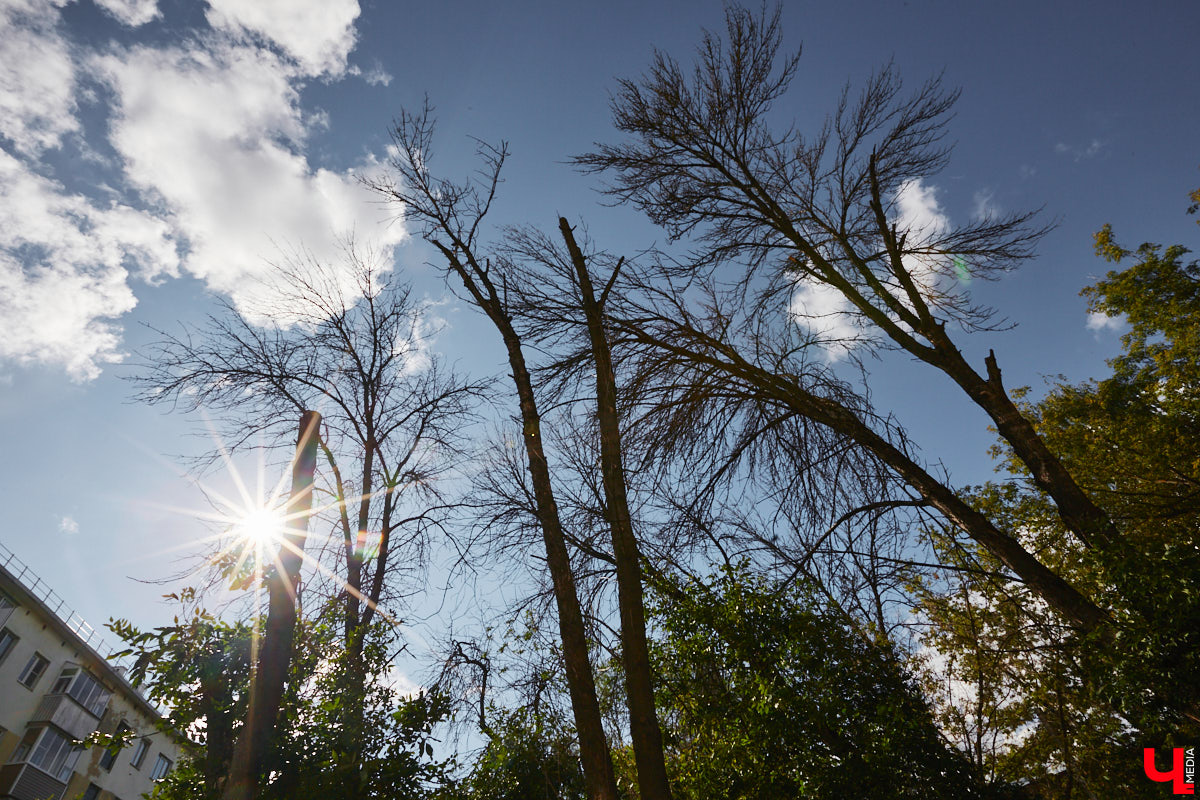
(252, 521)
(261, 526)
(962, 270)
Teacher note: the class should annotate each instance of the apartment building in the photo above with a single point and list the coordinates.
(57, 688)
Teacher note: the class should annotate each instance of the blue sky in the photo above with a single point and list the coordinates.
(156, 154)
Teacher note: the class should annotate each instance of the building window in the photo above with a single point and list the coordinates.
(161, 767)
(83, 687)
(139, 753)
(110, 753)
(27, 742)
(91, 793)
(8, 640)
(49, 750)
(64, 679)
(33, 671)
(6, 607)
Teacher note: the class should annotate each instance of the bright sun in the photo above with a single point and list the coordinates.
(261, 526)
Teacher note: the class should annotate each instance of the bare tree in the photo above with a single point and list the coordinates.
(452, 218)
(704, 160)
(560, 305)
(350, 342)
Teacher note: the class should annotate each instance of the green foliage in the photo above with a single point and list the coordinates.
(1159, 296)
(766, 694)
(531, 756)
(199, 669)
(1069, 712)
(1011, 685)
(330, 716)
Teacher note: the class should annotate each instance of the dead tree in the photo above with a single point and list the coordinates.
(451, 216)
(704, 160)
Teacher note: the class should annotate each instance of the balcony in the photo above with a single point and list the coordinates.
(63, 712)
(27, 782)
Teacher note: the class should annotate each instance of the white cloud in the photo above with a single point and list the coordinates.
(823, 310)
(37, 77)
(826, 314)
(375, 76)
(133, 13)
(68, 525)
(209, 134)
(1080, 152)
(919, 214)
(1099, 322)
(64, 269)
(984, 205)
(405, 686)
(416, 349)
(318, 34)
(215, 133)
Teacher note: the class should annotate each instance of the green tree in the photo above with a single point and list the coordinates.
(1051, 705)
(530, 756)
(766, 693)
(198, 669)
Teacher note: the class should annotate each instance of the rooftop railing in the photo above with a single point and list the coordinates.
(34, 584)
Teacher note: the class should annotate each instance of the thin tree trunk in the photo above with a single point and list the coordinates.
(593, 745)
(270, 674)
(218, 745)
(349, 759)
(643, 718)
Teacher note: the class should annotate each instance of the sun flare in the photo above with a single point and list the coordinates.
(260, 526)
(253, 519)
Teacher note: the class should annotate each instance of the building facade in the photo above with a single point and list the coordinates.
(56, 689)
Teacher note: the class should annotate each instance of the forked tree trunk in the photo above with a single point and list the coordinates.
(643, 718)
(598, 774)
(270, 674)
(593, 745)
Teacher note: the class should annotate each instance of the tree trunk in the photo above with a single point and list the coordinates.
(598, 773)
(1081, 516)
(593, 745)
(215, 694)
(270, 675)
(643, 718)
(1063, 597)
(785, 391)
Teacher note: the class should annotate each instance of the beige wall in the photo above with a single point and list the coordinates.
(8, 743)
(37, 633)
(124, 780)
(17, 703)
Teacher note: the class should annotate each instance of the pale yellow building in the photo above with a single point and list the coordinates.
(56, 688)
